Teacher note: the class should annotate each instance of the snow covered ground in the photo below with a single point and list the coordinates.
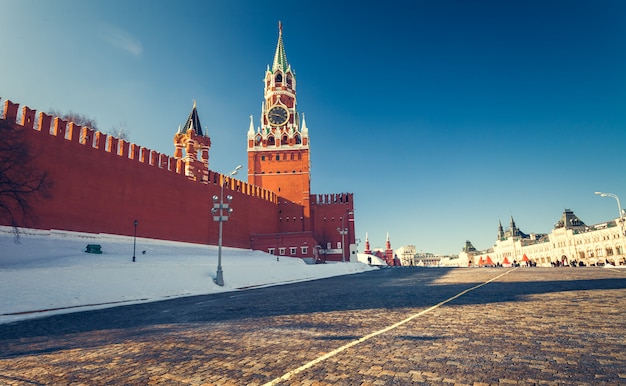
(48, 272)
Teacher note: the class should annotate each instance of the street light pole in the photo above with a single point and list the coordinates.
(343, 231)
(135, 239)
(619, 206)
(221, 217)
(621, 216)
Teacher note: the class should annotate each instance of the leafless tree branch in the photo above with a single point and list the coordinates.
(21, 183)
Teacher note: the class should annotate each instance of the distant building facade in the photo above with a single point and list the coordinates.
(571, 242)
(406, 255)
(427, 259)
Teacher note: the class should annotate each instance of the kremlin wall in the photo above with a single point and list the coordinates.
(102, 184)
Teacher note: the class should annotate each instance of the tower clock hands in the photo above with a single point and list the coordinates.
(277, 115)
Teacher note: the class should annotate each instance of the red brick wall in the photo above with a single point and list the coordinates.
(100, 189)
(102, 184)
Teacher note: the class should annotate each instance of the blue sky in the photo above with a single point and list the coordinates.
(442, 117)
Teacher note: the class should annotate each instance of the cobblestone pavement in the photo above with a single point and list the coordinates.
(404, 326)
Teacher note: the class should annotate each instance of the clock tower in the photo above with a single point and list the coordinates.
(278, 150)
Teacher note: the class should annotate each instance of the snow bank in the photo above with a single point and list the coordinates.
(49, 272)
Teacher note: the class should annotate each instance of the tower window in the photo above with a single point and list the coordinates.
(277, 157)
(279, 78)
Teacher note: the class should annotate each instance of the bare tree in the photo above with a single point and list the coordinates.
(324, 241)
(77, 118)
(20, 182)
(120, 131)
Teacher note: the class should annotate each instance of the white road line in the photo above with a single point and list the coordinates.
(336, 351)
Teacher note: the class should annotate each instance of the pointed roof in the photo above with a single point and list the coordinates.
(193, 122)
(251, 129)
(280, 58)
(305, 129)
(569, 220)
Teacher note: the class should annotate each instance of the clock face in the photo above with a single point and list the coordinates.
(277, 115)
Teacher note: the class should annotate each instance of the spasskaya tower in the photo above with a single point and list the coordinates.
(278, 150)
(318, 227)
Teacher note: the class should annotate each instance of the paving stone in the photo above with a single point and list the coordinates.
(555, 326)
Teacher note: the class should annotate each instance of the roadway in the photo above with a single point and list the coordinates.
(396, 326)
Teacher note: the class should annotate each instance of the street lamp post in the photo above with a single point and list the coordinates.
(343, 231)
(621, 216)
(277, 258)
(135, 238)
(619, 206)
(220, 217)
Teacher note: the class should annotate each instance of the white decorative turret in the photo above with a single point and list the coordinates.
(251, 129)
(305, 129)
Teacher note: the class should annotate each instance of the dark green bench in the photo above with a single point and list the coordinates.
(94, 248)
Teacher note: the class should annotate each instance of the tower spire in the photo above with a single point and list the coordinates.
(389, 252)
(280, 58)
(367, 250)
(193, 122)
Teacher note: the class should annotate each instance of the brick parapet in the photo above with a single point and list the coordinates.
(111, 145)
(102, 183)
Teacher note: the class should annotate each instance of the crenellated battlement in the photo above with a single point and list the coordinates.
(105, 184)
(96, 141)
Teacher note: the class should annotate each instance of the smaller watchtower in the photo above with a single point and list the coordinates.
(192, 140)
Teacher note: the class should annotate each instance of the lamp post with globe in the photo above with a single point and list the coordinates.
(218, 215)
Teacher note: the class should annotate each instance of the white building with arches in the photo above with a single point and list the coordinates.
(571, 242)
